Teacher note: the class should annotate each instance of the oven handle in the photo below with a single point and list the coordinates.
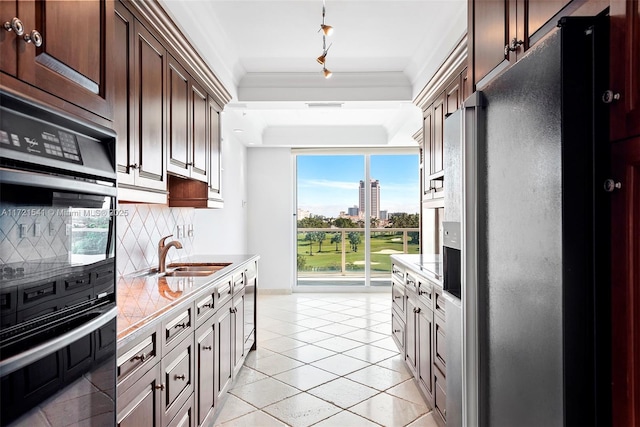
(35, 179)
(21, 360)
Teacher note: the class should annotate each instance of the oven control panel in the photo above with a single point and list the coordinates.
(37, 138)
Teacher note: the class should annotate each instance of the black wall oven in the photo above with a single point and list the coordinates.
(57, 268)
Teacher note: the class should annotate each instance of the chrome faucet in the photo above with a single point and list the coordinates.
(162, 252)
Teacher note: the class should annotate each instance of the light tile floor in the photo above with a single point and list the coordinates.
(325, 360)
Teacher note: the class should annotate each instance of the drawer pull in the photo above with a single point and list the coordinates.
(396, 331)
(181, 325)
(160, 387)
(208, 305)
(207, 347)
(141, 357)
(180, 377)
(398, 296)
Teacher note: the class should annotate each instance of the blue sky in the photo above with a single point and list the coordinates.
(328, 185)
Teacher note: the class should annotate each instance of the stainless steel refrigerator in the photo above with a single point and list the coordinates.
(534, 330)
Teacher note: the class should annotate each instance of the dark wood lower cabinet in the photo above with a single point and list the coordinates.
(206, 384)
(238, 331)
(425, 358)
(224, 361)
(140, 405)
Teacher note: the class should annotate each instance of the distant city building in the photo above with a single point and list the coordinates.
(354, 211)
(302, 214)
(384, 215)
(375, 198)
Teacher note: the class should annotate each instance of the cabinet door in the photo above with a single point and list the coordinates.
(437, 142)
(427, 132)
(539, 12)
(124, 96)
(150, 110)
(453, 95)
(178, 120)
(205, 372)
(625, 68)
(238, 327)
(8, 39)
(140, 404)
(215, 149)
(425, 359)
(198, 133)
(224, 349)
(494, 21)
(72, 62)
(410, 334)
(177, 372)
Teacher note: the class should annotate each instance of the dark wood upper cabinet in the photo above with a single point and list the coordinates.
(502, 30)
(178, 123)
(215, 153)
(198, 135)
(625, 69)
(139, 65)
(71, 61)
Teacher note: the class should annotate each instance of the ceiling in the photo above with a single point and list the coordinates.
(382, 53)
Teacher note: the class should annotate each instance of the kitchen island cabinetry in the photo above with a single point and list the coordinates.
(424, 326)
(176, 364)
(47, 52)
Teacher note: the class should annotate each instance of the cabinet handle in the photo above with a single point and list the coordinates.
(180, 377)
(208, 305)
(141, 357)
(160, 387)
(134, 166)
(15, 25)
(207, 347)
(181, 325)
(189, 163)
(34, 37)
(396, 331)
(398, 296)
(418, 310)
(513, 46)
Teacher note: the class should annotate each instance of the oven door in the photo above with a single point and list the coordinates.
(57, 299)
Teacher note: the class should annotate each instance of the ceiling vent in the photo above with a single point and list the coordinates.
(324, 104)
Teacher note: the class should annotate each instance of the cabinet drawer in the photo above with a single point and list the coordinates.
(177, 375)
(224, 291)
(425, 293)
(440, 395)
(397, 331)
(185, 416)
(397, 272)
(251, 270)
(438, 302)
(238, 282)
(176, 327)
(397, 295)
(205, 307)
(440, 346)
(136, 357)
(411, 282)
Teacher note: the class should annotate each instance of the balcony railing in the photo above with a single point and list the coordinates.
(332, 252)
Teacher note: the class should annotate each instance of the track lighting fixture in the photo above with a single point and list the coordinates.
(326, 31)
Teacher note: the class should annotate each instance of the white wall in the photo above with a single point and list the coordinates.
(270, 215)
(224, 231)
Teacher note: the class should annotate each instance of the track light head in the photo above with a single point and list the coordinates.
(326, 29)
(327, 73)
(322, 58)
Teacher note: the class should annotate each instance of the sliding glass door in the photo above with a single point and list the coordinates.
(353, 212)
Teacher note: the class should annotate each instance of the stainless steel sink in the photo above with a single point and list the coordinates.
(189, 273)
(183, 269)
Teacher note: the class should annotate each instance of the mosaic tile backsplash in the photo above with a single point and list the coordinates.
(140, 230)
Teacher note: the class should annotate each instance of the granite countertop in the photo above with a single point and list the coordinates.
(143, 297)
(429, 266)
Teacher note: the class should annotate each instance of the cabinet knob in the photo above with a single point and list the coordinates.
(141, 357)
(396, 331)
(180, 377)
(160, 387)
(607, 97)
(134, 166)
(14, 25)
(189, 163)
(513, 46)
(610, 185)
(34, 37)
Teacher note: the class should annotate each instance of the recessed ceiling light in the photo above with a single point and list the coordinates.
(238, 130)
